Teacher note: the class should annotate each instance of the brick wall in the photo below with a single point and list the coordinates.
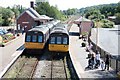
(25, 21)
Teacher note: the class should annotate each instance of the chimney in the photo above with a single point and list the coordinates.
(32, 4)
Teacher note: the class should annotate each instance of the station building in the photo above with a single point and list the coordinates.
(85, 26)
(29, 19)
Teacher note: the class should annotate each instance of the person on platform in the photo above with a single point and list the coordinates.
(97, 58)
(107, 62)
(102, 65)
(92, 61)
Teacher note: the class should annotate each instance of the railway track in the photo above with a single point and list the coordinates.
(23, 68)
(58, 69)
(44, 66)
(70, 21)
(52, 68)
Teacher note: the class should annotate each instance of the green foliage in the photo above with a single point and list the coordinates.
(106, 23)
(84, 33)
(105, 9)
(94, 14)
(7, 14)
(16, 12)
(101, 12)
(108, 10)
(71, 11)
(51, 11)
(118, 8)
(1, 20)
(43, 8)
(117, 21)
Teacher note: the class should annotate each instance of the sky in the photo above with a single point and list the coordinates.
(61, 4)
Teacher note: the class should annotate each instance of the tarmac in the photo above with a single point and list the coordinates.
(78, 56)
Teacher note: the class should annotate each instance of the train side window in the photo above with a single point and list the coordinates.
(39, 38)
(58, 40)
(64, 40)
(28, 38)
(52, 40)
(34, 38)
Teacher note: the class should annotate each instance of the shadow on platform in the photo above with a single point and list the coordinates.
(20, 48)
(73, 33)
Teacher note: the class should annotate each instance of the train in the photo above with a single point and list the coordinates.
(37, 37)
(59, 39)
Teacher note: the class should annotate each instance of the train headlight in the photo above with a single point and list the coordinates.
(52, 45)
(65, 46)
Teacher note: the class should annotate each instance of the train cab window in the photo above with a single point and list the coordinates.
(64, 40)
(52, 40)
(34, 38)
(28, 38)
(58, 40)
(39, 38)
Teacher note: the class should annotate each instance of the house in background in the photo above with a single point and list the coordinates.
(29, 19)
(84, 25)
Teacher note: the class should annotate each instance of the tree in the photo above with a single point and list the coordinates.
(93, 14)
(1, 20)
(51, 11)
(117, 20)
(105, 9)
(106, 23)
(43, 8)
(118, 7)
(7, 15)
(16, 11)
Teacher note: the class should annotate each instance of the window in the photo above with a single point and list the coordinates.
(34, 38)
(28, 38)
(39, 38)
(52, 40)
(58, 40)
(64, 40)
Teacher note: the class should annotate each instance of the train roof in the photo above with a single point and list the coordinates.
(43, 25)
(49, 24)
(55, 22)
(61, 25)
(60, 29)
(40, 29)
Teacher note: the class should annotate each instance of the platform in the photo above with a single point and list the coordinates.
(78, 56)
(10, 53)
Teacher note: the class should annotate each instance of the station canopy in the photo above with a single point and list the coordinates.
(81, 19)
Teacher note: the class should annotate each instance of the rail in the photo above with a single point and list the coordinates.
(24, 67)
(58, 67)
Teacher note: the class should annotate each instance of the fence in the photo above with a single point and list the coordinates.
(114, 61)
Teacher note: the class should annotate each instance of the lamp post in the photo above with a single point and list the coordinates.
(97, 25)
